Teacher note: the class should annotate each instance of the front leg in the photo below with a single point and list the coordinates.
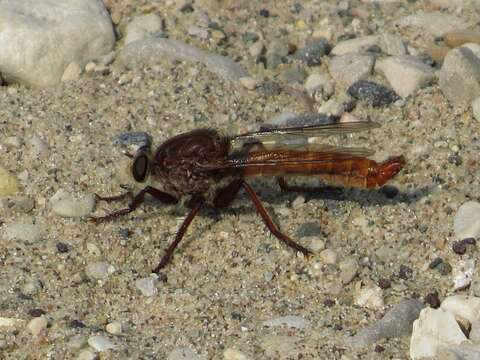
(137, 200)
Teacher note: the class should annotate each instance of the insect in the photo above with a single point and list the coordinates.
(211, 169)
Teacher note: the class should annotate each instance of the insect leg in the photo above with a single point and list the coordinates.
(180, 233)
(269, 222)
(135, 203)
(225, 196)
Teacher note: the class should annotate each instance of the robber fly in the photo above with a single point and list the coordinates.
(211, 169)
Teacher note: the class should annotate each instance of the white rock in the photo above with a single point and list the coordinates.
(459, 77)
(349, 68)
(10, 322)
(66, 204)
(41, 37)
(467, 220)
(256, 49)
(328, 256)
(435, 23)
(462, 273)
(98, 270)
(147, 286)
(434, 328)
(475, 48)
(468, 307)
(369, 297)
(86, 355)
(389, 43)
(72, 72)
(476, 108)
(348, 270)
(405, 74)
(115, 327)
(233, 354)
(8, 183)
(331, 107)
(142, 26)
(392, 45)
(316, 244)
(320, 84)
(77, 341)
(100, 343)
(37, 325)
(463, 351)
(291, 321)
(183, 353)
(24, 232)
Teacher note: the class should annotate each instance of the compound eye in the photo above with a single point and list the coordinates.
(140, 167)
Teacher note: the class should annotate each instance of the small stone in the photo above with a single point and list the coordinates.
(462, 273)
(77, 341)
(459, 78)
(459, 247)
(406, 74)
(444, 268)
(369, 297)
(183, 353)
(256, 49)
(114, 328)
(264, 13)
(290, 321)
(37, 325)
(8, 183)
(36, 312)
(372, 93)
(142, 26)
(433, 329)
(24, 232)
(467, 220)
(100, 343)
(72, 72)
(72, 205)
(147, 286)
(90, 67)
(435, 262)
(98, 270)
(350, 68)
(389, 191)
(356, 45)
(311, 54)
(249, 83)
(308, 229)
(328, 256)
(62, 247)
(384, 283)
(319, 84)
(433, 300)
(405, 272)
(316, 244)
(348, 270)
(435, 23)
(232, 354)
(87, 355)
(464, 306)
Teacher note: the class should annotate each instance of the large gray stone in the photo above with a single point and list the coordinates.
(459, 77)
(40, 38)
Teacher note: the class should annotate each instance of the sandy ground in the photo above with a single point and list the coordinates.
(229, 274)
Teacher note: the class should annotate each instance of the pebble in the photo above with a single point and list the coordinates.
(370, 297)
(249, 82)
(319, 86)
(459, 247)
(100, 343)
(87, 355)
(332, 107)
(372, 93)
(72, 72)
(462, 273)
(433, 300)
(467, 307)
(435, 23)
(348, 270)
(316, 244)
(147, 286)
(19, 204)
(405, 74)
(291, 321)
(99, 270)
(293, 75)
(77, 341)
(66, 204)
(459, 77)
(51, 35)
(37, 325)
(256, 49)
(233, 354)
(114, 328)
(475, 48)
(390, 44)
(153, 51)
(350, 68)
(433, 329)
(457, 38)
(466, 223)
(397, 322)
(24, 232)
(328, 256)
(138, 138)
(476, 108)
(183, 353)
(8, 183)
(142, 26)
(312, 53)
